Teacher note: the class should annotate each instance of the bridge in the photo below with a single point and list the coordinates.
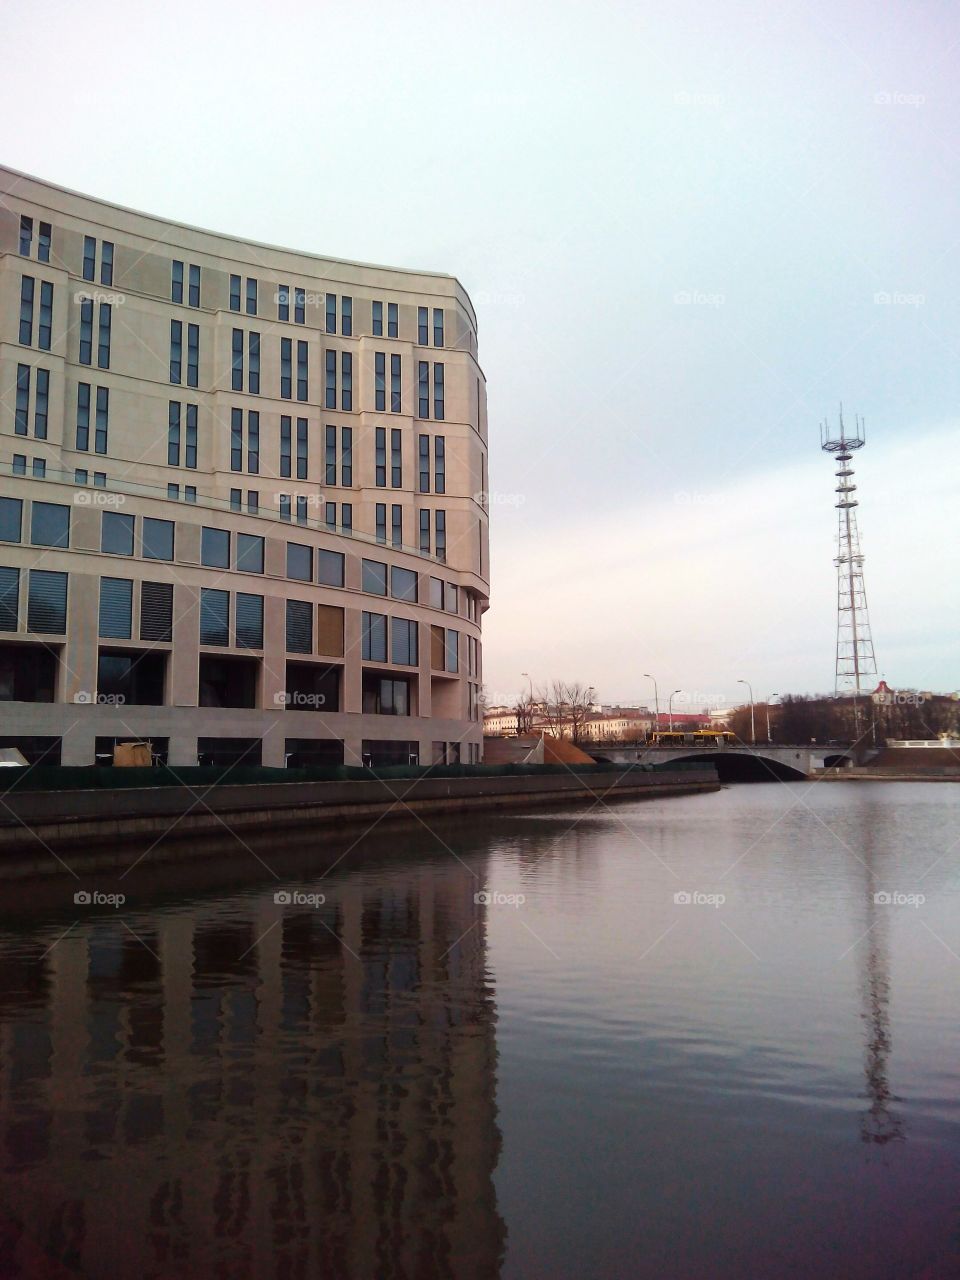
(740, 763)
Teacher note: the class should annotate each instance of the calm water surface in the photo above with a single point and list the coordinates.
(584, 1075)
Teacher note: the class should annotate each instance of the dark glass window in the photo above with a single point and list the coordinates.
(299, 626)
(425, 533)
(215, 548)
(42, 404)
(403, 584)
(381, 521)
(438, 326)
(346, 456)
(373, 633)
(214, 616)
(422, 337)
(253, 373)
(106, 262)
(83, 416)
(86, 332)
(286, 368)
(331, 313)
(116, 534)
(193, 355)
(157, 539)
(11, 519)
(21, 419)
(176, 281)
(330, 384)
(249, 553)
(236, 439)
(346, 316)
(89, 258)
(299, 562)
(380, 381)
(440, 535)
(47, 602)
(49, 525)
(26, 235)
(194, 298)
(423, 389)
(26, 310)
(236, 373)
(251, 297)
(403, 642)
(283, 302)
(374, 578)
(302, 448)
(302, 371)
(249, 621)
(393, 325)
(395, 406)
(329, 568)
(43, 243)
(234, 293)
(396, 458)
(380, 458)
(253, 442)
(116, 608)
(191, 449)
(396, 523)
(423, 463)
(103, 336)
(9, 598)
(438, 392)
(176, 349)
(346, 381)
(439, 464)
(376, 319)
(102, 420)
(299, 306)
(156, 611)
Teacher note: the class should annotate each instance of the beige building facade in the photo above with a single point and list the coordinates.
(242, 496)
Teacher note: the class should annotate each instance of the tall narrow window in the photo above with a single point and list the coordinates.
(26, 310)
(330, 514)
(116, 608)
(331, 313)
(249, 621)
(396, 458)
(376, 319)
(330, 391)
(253, 373)
(194, 297)
(103, 336)
(234, 293)
(302, 448)
(106, 262)
(190, 458)
(423, 389)
(346, 456)
(438, 326)
(236, 380)
(393, 323)
(89, 258)
(286, 368)
(425, 533)
(438, 392)
(346, 316)
(396, 525)
(176, 349)
(86, 331)
(21, 420)
(423, 463)
(346, 518)
(42, 405)
(381, 521)
(379, 378)
(45, 325)
(285, 506)
(346, 381)
(286, 447)
(83, 416)
(43, 243)
(395, 384)
(422, 334)
(176, 281)
(214, 616)
(251, 297)
(439, 464)
(380, 456)
(26, 236)
(440, 538)
(301, 508)
(301, 371)
(173, 434)
(236, 439)
(102, 422)
(283, 302)
(299, 306)
(330, 455)
(193, 355)
(253, 443)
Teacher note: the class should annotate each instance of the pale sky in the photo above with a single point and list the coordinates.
(689, 231)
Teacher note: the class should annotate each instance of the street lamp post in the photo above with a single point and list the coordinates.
(769, 700)
(670, 705)
(656, 701)
(753, 729)
(529, 714)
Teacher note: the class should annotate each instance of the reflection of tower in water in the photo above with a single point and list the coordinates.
(257, 1091)
(878, 1124)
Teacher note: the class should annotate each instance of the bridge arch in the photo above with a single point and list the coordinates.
(745, 766)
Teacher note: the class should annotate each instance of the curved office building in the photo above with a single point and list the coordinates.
(242, 509)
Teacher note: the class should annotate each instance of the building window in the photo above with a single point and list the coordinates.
(21, 419)
(346, 316)
(43, 242)
(395, 367)
(19, 464)
(380, 456)
(106, 262)
(422, 334)
(346, 518)
(191, 449)
(451, 650)
(346, 381)
(299, 306)
(42, 404)
(214, 616)
(286, 368)
(285, 507)
(236, 439)
(330, 389)
(156, 611)
(116, 533)
(102, 421)
(194, 297)
(253, 373)
(385, 696)
(393, 325)
(80, 475)
(47, 602)
(286, 445)
(301, 508)
(425, 533)
(49, 524)
(379, 378)
(330, 568)
(86, 332)
(373, 578)
(423, 389)
(249, 621)
(440, 464)
(381, 521)
(330, 514)
(193, 355)
(9, 599)
(214, 548)
(26, 236)
(83, 416)
(423, 465)
(299, 562)
(253, 442)
(396, 523)
(438, 392)
(236, 380)
(39, 468)
(234, 293)
(283, 302)
(373, 633)
(156, 539)
(176, 281)
(302, 448)
(236, 499)
(302, 371)
(376, 319)
(299, 626)
(26, 311)
(438, 326)
(103, 336)
(116, 608)
(189, 493)
(403, 642)
(330, 455)
(89, 258)
(403, 584)
(45, 325)
(176, 349)
(251, 297)
(11, 519)
(440, 538)
(331, 313)
(396, 458)
(346, 457)
(249, 553)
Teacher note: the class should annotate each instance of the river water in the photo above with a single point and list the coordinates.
(714, 1036)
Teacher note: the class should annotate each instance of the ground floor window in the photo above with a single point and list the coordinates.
(377, 753)
(309, 753)
(34, 750)
(224, 752)
(158, 748)
(28, 673)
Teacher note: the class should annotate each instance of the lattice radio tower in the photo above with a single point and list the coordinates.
(855, 656)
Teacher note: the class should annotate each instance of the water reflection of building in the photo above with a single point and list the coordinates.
(256, 1092)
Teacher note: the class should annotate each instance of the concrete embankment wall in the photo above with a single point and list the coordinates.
(104, 822)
